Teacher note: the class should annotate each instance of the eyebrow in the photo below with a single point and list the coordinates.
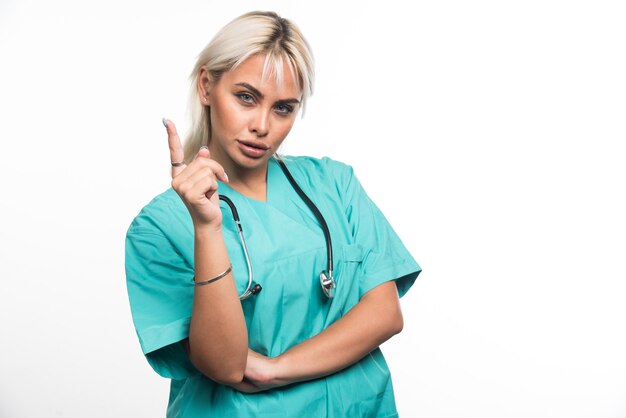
(261, 96)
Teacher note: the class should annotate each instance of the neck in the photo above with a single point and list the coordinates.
(250, 182)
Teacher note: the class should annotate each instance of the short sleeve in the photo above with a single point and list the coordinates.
(160, 291)
(386, 258)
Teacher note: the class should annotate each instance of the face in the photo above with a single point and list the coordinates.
(250, 117)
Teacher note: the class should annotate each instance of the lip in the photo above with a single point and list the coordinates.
(254, 144)
(253, 149)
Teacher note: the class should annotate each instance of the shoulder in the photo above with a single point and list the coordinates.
(163, 213)
(324, 170)
(332, 179)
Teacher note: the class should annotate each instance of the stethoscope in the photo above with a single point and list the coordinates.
(327, 281)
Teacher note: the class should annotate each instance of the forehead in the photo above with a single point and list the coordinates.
(267, 74)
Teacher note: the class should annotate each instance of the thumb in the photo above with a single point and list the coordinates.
(203, 152)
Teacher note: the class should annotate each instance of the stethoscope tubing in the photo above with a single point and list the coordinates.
(247, 293)
(316, 212)
(326, 277)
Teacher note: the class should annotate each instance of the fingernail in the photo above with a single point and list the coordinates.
(164, 122)
(226, 177)
(204, 146)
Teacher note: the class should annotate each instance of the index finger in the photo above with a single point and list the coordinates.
(176, 149)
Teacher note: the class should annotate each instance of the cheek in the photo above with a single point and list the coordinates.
(283, 126)
(227, 116)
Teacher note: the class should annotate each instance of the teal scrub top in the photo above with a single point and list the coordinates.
(287, 251)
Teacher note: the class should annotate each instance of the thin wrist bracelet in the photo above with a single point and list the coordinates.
(212, 279)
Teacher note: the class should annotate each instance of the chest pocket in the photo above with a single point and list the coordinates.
(348, 276)
(352, 253)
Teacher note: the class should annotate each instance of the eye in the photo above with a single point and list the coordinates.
(245, 97)
(284, 109)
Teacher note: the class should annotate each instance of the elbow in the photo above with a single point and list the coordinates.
(223, 372)
(389, 325)
(396, 323)
(231, 378)
(384, 307)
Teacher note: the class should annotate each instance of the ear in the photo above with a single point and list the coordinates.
(204, 86)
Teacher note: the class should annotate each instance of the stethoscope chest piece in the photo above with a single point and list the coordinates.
(328, 284)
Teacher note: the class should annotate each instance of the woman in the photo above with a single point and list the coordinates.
(301, 346)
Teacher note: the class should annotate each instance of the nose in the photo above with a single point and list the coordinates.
(260, 123)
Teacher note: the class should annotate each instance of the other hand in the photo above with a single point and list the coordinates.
(261, 374)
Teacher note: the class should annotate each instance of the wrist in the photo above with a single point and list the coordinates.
(281, 375)
(207, 230)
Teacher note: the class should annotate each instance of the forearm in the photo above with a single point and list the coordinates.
(372, 321)
(218, 339)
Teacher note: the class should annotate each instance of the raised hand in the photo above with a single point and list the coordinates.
(196, 183)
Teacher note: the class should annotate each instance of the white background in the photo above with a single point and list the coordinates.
(488, 132)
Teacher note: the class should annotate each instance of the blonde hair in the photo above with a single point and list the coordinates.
(250, 34)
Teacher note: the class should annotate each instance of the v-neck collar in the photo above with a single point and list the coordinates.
(279, 196)
(282, 207)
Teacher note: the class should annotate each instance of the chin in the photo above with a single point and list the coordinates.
(250, 163)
